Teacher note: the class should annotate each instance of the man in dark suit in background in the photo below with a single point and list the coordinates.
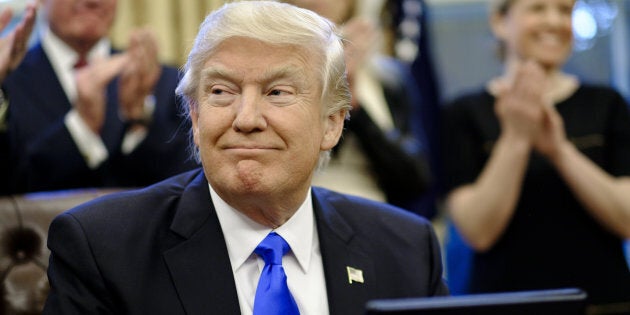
(267, 99)
(13, 47)
(83, 115)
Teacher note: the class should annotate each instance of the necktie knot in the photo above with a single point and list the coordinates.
(81, 62)
(272, 248)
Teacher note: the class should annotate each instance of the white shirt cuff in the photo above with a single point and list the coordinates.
(132, 139)
(90, 144)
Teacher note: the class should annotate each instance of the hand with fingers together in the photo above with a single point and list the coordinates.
(139, 77)
(91, 84)
(361, 37)
(524, 108)
(520, 104)
(13, 45)
(552, 137)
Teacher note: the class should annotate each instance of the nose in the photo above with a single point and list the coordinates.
(249, 113)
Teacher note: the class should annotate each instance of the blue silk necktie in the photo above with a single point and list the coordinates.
(272, 294)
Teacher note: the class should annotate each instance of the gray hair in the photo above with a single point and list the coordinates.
(276, 24)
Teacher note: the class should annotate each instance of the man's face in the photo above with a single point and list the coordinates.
(258, 122)
(80, 21)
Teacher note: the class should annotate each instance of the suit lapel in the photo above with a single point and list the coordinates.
(41, 74)
(200, 265)
(339, 252)
(114, 129)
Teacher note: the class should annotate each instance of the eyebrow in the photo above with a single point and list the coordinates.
(288, 71)
(216, 72)
(285, 72)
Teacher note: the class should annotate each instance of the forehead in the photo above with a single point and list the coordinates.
(245, 57)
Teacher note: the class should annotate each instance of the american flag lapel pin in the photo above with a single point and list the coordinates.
(354, 275)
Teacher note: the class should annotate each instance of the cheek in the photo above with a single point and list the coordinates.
(204, 128)
(111, 15)
(211, 123)
(316, 135)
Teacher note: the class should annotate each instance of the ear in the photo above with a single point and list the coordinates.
(334, 128)
(193, 109)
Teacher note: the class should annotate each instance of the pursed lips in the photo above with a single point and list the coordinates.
(250, 148)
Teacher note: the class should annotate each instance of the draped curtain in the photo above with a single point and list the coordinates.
(174, 22)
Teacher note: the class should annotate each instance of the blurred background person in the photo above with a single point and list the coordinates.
(382, 155)
(81, 114)
(407, 30)
(537, 165)
(13, 46)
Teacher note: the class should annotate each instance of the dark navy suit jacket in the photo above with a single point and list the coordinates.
(161, 250)
(41, 154)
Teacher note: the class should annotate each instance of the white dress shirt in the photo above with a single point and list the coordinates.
(303, 264)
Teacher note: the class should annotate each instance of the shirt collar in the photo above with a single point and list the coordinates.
(242, 234)
(61, 54)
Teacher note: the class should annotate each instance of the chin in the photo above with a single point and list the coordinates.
(552, 64)
(554, 59)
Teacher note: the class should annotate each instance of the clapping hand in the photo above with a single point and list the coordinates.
(521, 103)
(91, 82)
(361, 39)
(13, 45)
(139, 77)
(525, 109)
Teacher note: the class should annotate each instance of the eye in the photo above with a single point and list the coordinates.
(282, 95)
(216, 91)
(220, 95)
(277, 92)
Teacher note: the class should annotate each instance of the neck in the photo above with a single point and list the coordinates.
(82, 48)
(263, 209)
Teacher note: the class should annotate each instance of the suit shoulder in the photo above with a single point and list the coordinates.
(135, 203)
(365, 212)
